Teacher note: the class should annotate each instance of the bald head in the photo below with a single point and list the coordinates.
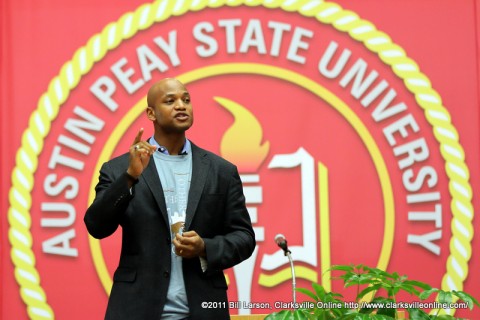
(161, 88)
(170, 109)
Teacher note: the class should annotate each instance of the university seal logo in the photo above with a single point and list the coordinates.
(341, 142)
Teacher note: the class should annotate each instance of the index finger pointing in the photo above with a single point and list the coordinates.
(138, 137)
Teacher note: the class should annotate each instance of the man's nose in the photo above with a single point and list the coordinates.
(180, 104)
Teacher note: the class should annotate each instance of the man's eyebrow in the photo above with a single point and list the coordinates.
(174, 94)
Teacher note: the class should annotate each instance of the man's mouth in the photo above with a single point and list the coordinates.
(181, 116)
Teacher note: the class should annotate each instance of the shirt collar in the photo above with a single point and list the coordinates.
(185, 150)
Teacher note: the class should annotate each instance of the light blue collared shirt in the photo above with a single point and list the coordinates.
(187, 148)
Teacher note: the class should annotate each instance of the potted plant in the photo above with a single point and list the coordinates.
(375, 298)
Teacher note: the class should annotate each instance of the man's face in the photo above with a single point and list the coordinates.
(172, 110)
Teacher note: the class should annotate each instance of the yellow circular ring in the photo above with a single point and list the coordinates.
(114, 33)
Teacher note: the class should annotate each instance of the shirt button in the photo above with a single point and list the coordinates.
(166, 274)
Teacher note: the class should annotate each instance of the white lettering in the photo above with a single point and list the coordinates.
(375, 93)
(416, 150)
(427, 173)
(103, 89)
(58, 158)
(298, 43)
(75, 126)
(149, 62)
(230, 25)
(253, 37)
(400, 126)
(381, 112)
(327, 57)
(74, 144)
(60, 244)
(211, 45)
(170, 47)
(435, 215)
(357, 71)
(423, 197)
(278, 31)
(425, 240)
(58, 222)
(69, 183)
(124, 76)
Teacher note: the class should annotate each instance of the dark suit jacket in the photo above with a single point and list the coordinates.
(215, 210)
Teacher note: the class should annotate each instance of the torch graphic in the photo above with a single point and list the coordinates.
(242, 144)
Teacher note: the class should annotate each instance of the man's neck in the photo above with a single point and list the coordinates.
(173, 142)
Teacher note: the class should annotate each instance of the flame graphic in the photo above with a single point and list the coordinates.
(241, 143)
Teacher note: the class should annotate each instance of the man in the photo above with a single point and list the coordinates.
(183, 217)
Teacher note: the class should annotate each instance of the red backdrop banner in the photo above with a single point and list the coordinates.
(354, 126)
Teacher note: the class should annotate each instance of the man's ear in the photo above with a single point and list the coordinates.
(150, 114)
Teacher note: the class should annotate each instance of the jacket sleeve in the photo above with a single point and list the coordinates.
(111, 200)
(238, 239)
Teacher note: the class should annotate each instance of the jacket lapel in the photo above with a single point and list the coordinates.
(200, 166)
(150, 174)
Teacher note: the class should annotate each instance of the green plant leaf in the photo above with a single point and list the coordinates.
(394, 290)
(308, 293)
(341, 267)
(326, 314)
(409, 288)
(417, 314)
(445, 317)
(300, 314)
(425, 294)
(383, 274)
(382, 317)
(469, 299)
(319, 290)
(367, 290)
(357, 279)
(282, 315)
(368, 280)
(388, 312)
(355, 316)
(419, 284)
(445, 296)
